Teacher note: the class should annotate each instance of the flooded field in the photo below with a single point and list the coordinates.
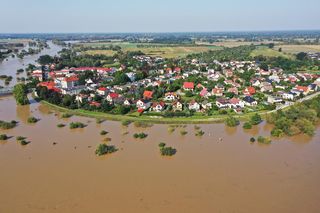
(218, 172)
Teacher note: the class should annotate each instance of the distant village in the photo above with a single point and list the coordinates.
(222, 89)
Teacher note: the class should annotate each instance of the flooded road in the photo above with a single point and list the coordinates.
(9, 67)
(206, 174)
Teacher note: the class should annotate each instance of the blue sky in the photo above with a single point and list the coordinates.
(29, 16)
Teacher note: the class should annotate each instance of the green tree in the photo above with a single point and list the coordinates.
(20, 92)
(256, 119)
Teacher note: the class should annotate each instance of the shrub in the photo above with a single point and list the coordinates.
(126, 123)
(247, 125)
(32, 120)
(142, 124)
(103, 149)
(24, 142)
(200, 133)
(140, 135)
(256, 119)
(264, 140)
(276, 132)
(252, 140)
(232, 121)
(8, 125)
(3, 137)
(66, 115)
(99, 120)
(61, 125)
(103, 132)
(76, 125)
(166, 151)
(20, 138)
(183, 132)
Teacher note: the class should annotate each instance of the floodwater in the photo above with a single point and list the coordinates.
(9, 67)
(206, 175)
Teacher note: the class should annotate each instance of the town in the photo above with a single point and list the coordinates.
(234, 87)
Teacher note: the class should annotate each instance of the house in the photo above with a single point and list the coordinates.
(95, 104)
(289, 96)
(217, 92)
(266, 88)
(170, 96)
(158, 106)
(233, 90)
(204, 93)
(193, 105)
(249, 91)
(147, 94)
(250, 101)
(222, 103)
(274, 100)
(69, 82)
(302, 89)
(112, 96)
(127, 102)
(177, 106)
(188, 86)
(102, 91)
(143, 104)
(206, 105)
(236, 103)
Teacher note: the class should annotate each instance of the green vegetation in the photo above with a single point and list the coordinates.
(247, 125)
(76, 125)
(103, 132)
(264, 140)
(256, 119)
(32, 120)
(20, 138)
(104, 149)
(252, 140)
(142, 124)
(300, 118)
(61, 125)
(166, 151)
(126, 123)
(67, 115)
(100, 120)
(183, 132)
(200, 133)
(140, 135)
(24, 142)
(232, 121)
(20, 92)
(7, 125)
(3, 137)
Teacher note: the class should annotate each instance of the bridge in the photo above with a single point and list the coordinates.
(6, 91)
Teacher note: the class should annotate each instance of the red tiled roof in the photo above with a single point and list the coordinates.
(147, 94)
(72, 78)
(102, 89)
(188, 85)
(113, 95)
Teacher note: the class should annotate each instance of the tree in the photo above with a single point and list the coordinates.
(45, 59)
(301, 56)
(20, 92)
(256, 119)
(232, 121)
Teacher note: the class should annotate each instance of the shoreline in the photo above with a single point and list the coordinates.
(153, 120)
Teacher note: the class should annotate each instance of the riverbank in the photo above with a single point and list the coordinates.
(154, 119)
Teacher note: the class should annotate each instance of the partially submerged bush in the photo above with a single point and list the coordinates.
(247, 125)
(252, 140)
(103, 149)
(103, 132)
(183, 132)
(76, 125)
(61, 125)
(100, 120)
(32, 120)
(126, 123)
(142, 124)
(140, 135)
(8, 125)
(264, 140)
(166, 151)
(66, 115)
(232, 121)
(24, 142)
(3, 137)
(200, 133)
(20, 138)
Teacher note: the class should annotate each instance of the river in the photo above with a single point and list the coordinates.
(206, 174)
(9, 67)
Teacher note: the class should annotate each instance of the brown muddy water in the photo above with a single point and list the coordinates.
(206, 174)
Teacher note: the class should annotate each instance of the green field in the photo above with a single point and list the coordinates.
(267, 52)
(162, 50)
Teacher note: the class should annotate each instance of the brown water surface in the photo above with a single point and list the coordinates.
(206, 174)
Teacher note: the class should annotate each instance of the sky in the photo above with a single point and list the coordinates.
(106, 16)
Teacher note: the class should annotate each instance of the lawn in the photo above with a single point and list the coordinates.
(293, 49)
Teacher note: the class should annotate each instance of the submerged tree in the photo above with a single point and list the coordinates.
(20, 92)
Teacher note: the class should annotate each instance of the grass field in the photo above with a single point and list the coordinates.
(267, 52)
(161, 50)
(293, 49)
